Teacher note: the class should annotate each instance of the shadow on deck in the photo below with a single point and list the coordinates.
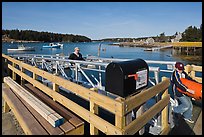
(184, 128)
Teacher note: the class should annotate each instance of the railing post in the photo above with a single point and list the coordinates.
(120, 121)
(93, 109)
(55, 87)
(13, 73)
(22, 80)
(139, 112)
(34, 76)
(164, 113)
(187, 69)
(192, 72)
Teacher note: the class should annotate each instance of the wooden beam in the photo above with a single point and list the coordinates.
(139, 122)
(49, 114)
(143, 96)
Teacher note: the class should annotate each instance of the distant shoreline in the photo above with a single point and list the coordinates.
(140, 44)
(22, 41)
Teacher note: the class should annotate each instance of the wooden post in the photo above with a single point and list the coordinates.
(55, 87)
(140, 112)
(120, 121)
(34, 77)
(93, 109)
(187, 69)
(164, 113)
(22, 80)
(192, 72)
(128, 118)
(13, 73)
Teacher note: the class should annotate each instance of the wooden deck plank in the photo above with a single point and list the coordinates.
(198, 125)
(28, 123)
(57, 107)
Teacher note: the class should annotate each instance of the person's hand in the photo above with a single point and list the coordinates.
(191, 91)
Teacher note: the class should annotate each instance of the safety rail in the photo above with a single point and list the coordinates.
(60, 62)
(120, 107)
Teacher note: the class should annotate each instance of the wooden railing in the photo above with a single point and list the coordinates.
(191, 71)
(120, 107)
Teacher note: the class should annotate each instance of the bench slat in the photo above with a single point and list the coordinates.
(28, 123)
(38, 105)
(67, 127)
(57, 107)
(50, 129)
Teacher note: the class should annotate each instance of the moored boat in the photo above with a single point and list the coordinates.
(23, 48)
(52, 45)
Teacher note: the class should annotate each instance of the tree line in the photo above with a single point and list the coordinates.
(191, 34)
(30, 35)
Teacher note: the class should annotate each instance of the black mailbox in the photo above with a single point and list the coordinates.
(126, 77)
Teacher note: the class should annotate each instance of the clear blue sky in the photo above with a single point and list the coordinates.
(98, 20)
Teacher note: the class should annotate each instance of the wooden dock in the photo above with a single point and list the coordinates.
(187, 44)
(119, 108)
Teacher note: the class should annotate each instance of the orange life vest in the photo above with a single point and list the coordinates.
(197, 87)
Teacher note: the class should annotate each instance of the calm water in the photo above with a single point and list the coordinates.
(91, 48)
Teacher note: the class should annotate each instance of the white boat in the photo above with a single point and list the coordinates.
(52, 45)
(22, 48)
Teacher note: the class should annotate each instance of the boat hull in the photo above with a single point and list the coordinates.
(51, 46)
(31, 49)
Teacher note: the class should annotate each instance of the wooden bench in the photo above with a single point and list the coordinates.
(32, 122)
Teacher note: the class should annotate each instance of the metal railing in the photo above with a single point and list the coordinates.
(49, 62)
